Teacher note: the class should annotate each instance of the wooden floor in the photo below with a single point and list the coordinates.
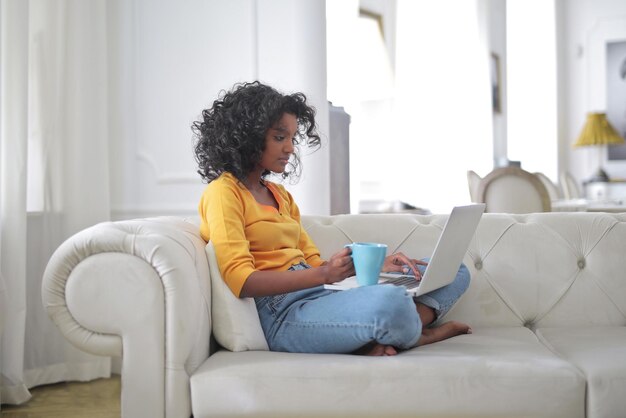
(96, 399)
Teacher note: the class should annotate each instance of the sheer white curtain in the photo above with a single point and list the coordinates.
(54, 174)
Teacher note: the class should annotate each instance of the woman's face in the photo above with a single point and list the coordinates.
(279, 144)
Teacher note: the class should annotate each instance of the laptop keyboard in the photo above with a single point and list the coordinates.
(407, 281)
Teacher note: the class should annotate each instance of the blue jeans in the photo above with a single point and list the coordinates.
(319, 320)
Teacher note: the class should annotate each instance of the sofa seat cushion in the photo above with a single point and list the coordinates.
(494, 372)
(600, 353)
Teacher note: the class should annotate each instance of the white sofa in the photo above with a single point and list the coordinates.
(547, 304)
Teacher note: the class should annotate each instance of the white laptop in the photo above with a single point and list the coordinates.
(445, 260)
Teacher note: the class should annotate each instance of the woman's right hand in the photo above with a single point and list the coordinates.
(269, 282)
(339, 266)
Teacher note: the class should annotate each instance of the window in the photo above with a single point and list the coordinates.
(417, 125)
(531, 85)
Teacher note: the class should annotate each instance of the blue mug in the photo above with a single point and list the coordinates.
(368, 258)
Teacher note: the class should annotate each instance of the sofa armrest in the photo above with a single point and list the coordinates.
(138, 289)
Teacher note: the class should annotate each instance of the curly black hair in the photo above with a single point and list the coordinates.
(231, 135)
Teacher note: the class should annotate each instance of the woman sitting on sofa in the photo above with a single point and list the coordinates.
(263, 251)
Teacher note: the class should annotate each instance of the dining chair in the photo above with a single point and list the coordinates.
(553, 190)
(569, 185)
(473, 180)
(513, 190)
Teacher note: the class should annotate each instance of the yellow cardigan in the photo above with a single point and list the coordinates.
(249, 236)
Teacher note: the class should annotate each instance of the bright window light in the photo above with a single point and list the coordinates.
(414, 134)
(531, 88)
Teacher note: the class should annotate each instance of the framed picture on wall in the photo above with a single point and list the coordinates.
(496, 83)
(606, 89)
(616, 94)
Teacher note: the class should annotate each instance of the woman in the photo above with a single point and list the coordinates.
(263, 251)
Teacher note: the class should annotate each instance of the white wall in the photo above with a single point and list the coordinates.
(172, 58)
(291, 41)
(583, 28)
(207, 46)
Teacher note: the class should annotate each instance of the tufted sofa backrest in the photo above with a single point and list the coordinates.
(534, 270)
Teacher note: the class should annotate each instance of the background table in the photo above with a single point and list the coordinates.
(587, 205)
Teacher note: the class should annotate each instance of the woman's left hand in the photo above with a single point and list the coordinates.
(403, 264)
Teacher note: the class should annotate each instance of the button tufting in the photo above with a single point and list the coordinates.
(581, 263)
(478, 265)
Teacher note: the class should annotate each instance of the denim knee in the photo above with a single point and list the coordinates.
(442, 299)
(395, 317)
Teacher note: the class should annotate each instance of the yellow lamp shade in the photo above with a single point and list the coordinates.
(598, 131)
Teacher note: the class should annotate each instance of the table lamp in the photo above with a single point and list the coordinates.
(599, 132)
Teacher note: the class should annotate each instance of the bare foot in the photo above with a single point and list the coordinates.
(376, 349)
(443, 332)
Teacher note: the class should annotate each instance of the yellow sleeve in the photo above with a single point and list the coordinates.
(307, 246)
(222, 210)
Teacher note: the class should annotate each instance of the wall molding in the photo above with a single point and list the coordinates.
(165, 177)
(604, 30)
(138, 212)
(161, 177)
